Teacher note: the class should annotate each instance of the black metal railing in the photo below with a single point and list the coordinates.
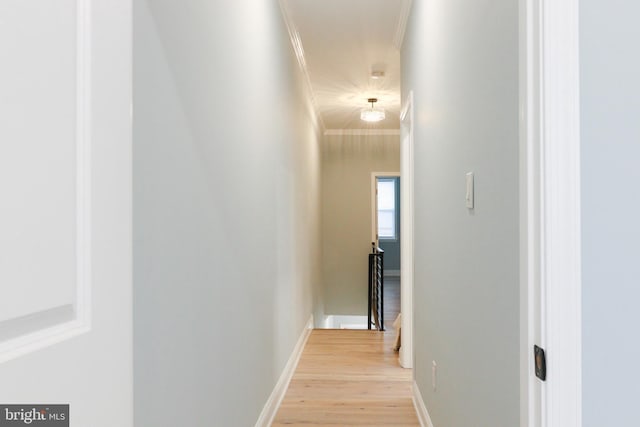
(376, 288)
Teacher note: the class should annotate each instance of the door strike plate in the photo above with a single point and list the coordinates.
(540, 361)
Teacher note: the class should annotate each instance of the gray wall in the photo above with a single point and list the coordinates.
(391, 248)
(610, 96)
(226, 210)
(347, 163)
(461, 60)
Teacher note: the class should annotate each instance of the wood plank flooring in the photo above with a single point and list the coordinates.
(348, 378)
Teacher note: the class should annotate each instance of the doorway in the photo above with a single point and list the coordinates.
(386, 235)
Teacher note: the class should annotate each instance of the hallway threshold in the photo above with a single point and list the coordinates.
(349, 377)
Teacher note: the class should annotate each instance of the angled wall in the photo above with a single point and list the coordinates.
(461, 60)
(226, 209)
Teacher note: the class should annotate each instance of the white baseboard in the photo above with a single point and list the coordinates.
(271, 407)
(421, 409)
(328, 322)
(334, 321)
(392, 273)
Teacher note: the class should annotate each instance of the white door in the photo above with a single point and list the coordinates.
(65, 208)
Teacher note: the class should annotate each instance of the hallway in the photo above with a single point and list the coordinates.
(190, 188)
(348, 377)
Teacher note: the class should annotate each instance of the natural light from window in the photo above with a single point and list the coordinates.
(386, 209)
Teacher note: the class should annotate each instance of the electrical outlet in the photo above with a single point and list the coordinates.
(434, 375)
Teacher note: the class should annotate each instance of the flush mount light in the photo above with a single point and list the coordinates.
(377, 75)
(372, 114)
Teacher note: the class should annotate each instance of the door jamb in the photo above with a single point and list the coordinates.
(406, 232)
(550, 233)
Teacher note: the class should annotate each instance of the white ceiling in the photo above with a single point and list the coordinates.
(342, 41)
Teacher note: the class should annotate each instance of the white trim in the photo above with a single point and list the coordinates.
(374, 207)
(338, 321)
(275, 399)
(407, 232)
(402, 24)
(34, 340)
(391, 273)
(421, 409)
(374, 202)
(530, 388)
(328, 322)
(364, 132)
(560, 213)
(296, 43)
(550, 205)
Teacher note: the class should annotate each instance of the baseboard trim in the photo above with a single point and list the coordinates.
(271, 407)
(337, 321)
(392, 273)
(421, 409)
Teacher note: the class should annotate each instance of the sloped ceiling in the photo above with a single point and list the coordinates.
(342, 41)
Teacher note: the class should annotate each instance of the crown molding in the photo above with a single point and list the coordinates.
(298, 49)
(367, 132)
(402, 24)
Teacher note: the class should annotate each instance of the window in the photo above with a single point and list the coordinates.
(387, 229)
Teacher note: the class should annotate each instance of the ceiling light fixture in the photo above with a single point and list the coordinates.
(372, 114)
(377, 74)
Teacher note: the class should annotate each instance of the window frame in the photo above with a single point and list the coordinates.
(374, 207)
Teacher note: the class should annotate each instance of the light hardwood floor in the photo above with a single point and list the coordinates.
(348, 377)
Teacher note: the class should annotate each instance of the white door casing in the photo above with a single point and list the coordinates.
(65, 181)
(406, 227)
(530, 303)
(550, 212)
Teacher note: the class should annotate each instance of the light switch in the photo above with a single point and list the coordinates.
(469, 197)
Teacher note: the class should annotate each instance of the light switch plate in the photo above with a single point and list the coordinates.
(469, 196)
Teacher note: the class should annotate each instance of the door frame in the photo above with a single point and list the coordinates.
(406, 232)
(374, 203)
(550, 231)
